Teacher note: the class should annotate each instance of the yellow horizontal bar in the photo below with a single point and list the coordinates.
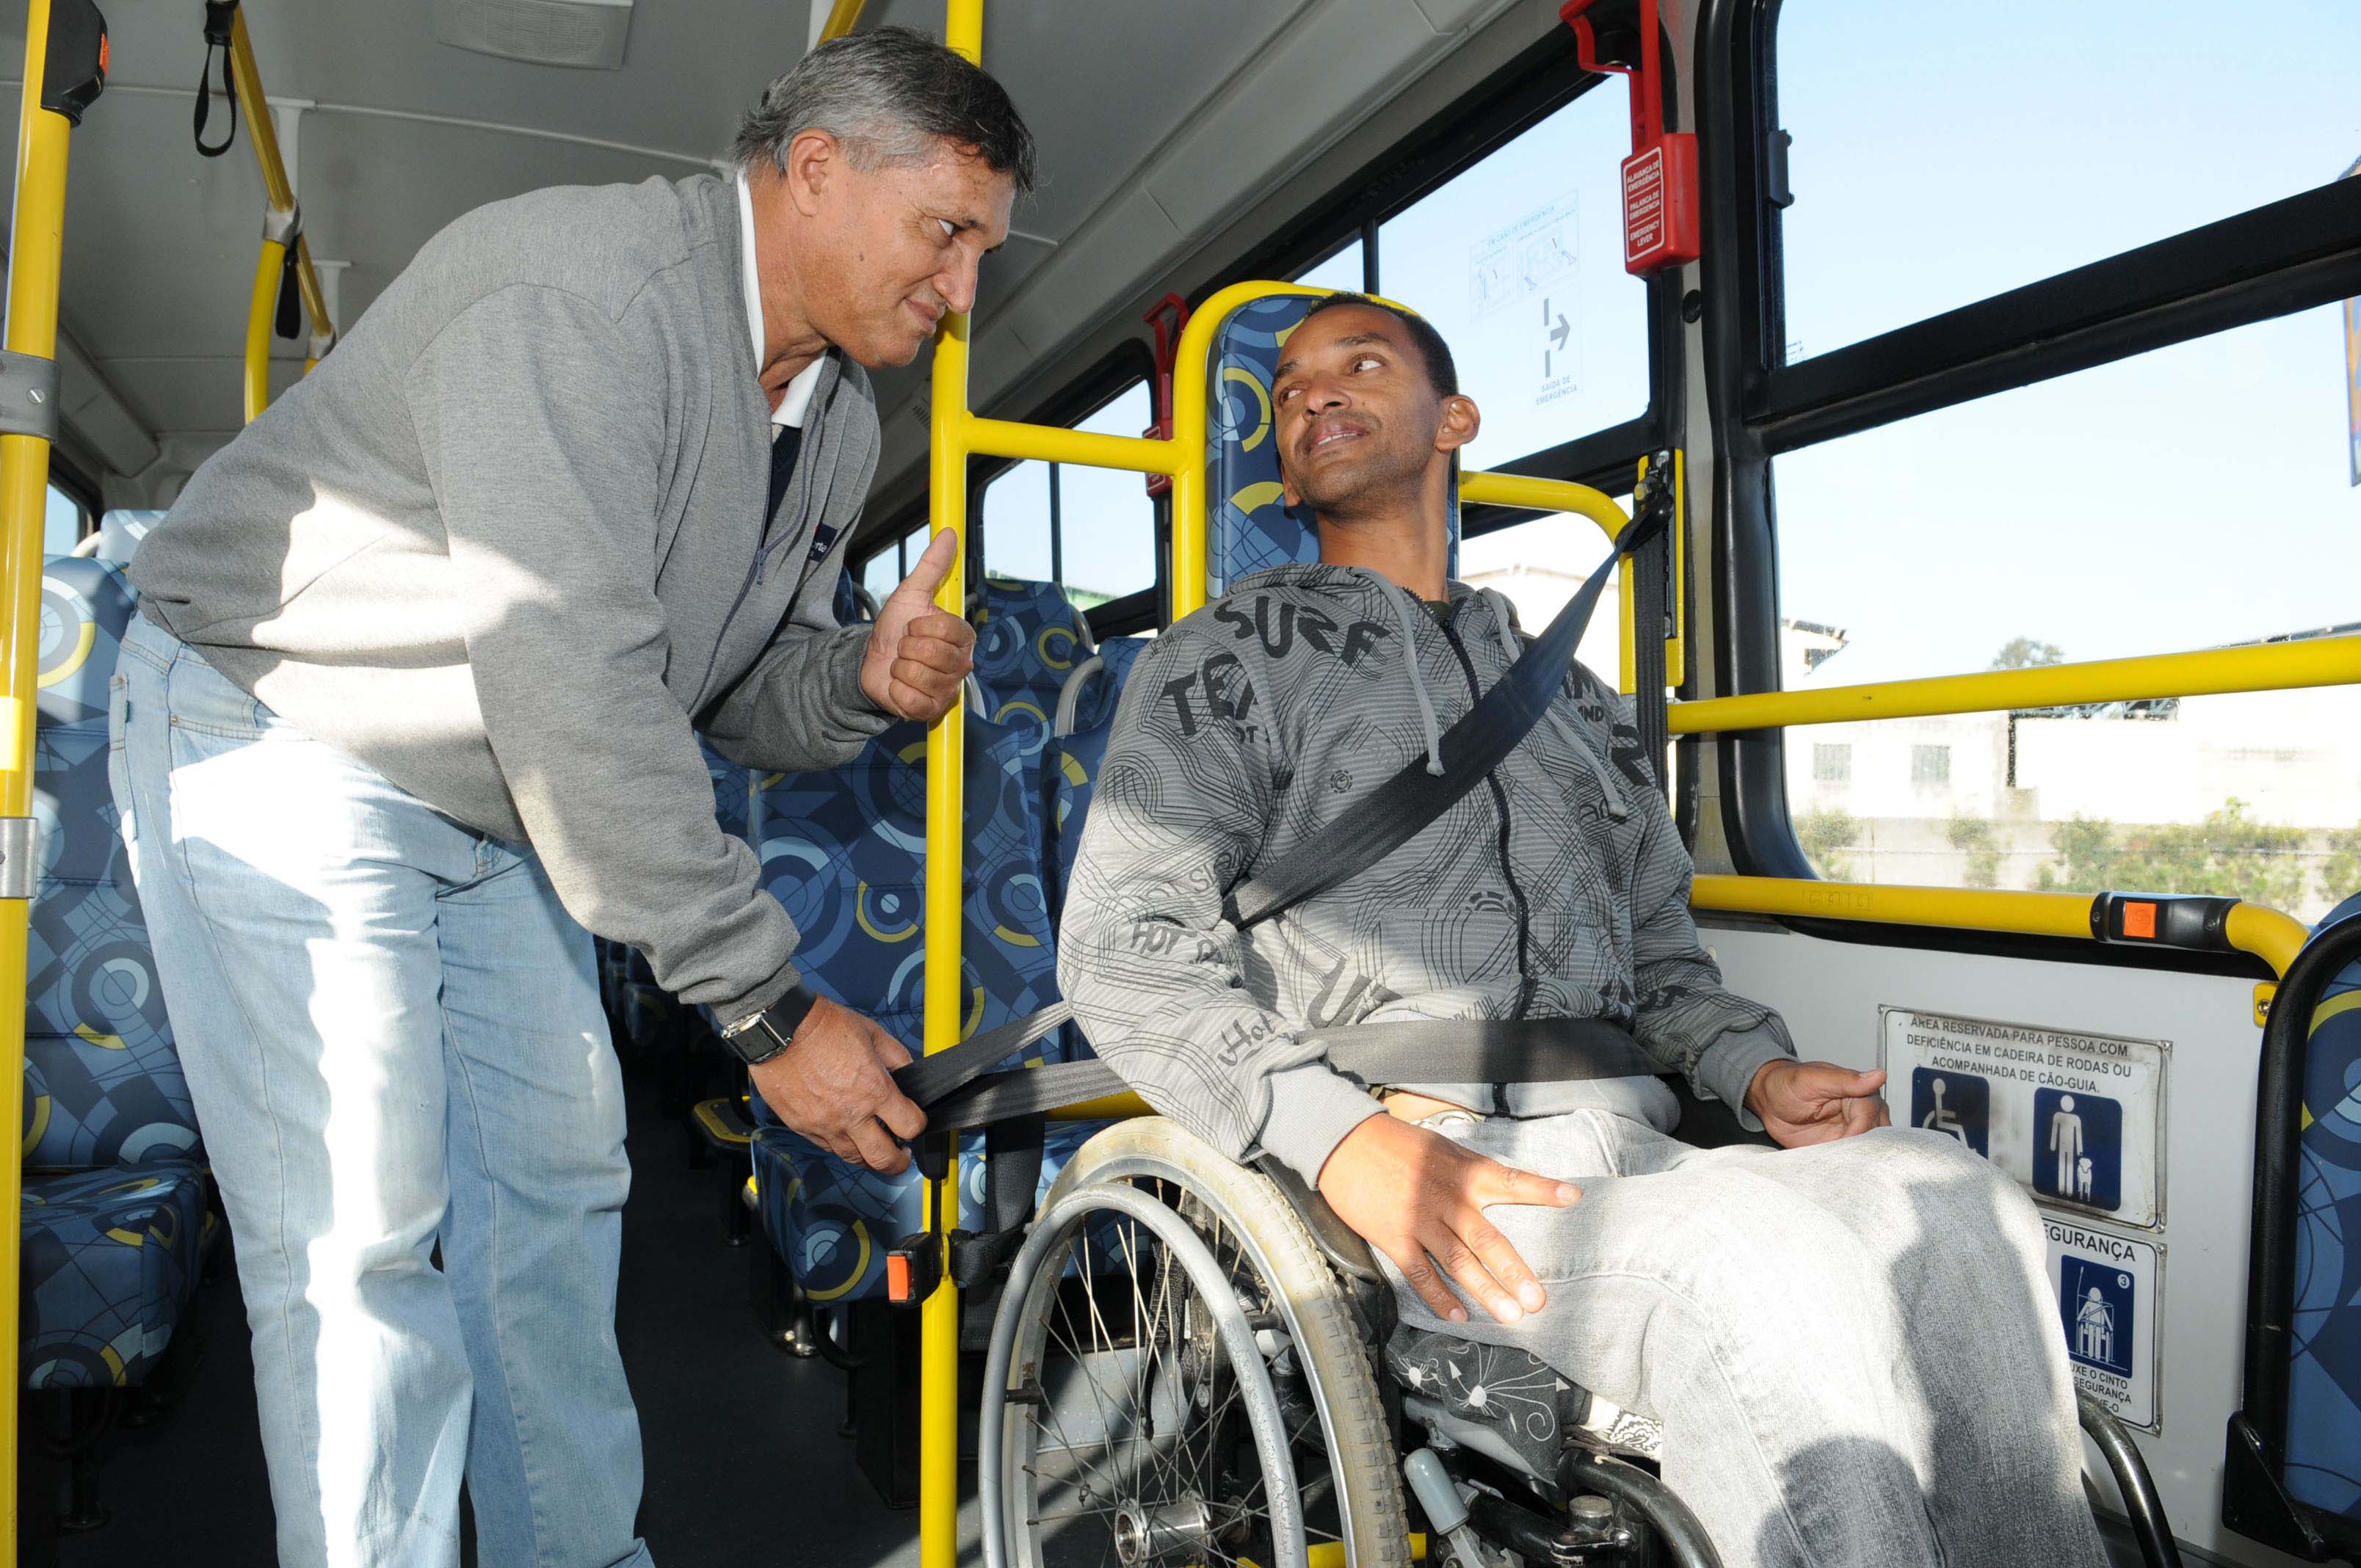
(842, 19)
(1485, 489)
(2266, 933)
(2272, 937)
(2269, 666)
(1053, 444)
(1108, 1108)
(1960, 908)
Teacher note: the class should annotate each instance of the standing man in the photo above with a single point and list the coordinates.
(413, 711)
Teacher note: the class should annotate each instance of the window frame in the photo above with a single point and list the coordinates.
(1539, 82)
(2290, 255)
(78, 489)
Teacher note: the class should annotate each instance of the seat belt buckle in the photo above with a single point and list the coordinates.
(913, 1267)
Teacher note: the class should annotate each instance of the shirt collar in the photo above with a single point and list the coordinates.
(796, 403)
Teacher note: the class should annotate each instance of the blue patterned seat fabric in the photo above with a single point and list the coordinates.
(111, 1261)
(2324, 1437)
(1073, 762)
(845, 852)
(1251, 528)
(1028, 638)
(115, 1195)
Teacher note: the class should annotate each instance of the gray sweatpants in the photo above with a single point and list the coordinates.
(1852, 1347)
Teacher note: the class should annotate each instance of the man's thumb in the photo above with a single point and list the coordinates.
(934, 565)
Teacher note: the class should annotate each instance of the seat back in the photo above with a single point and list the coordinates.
(1078, 748)
(1028, 638)
(102, 1082)
(845, 851)
(2323, 1428)
(1249, 527)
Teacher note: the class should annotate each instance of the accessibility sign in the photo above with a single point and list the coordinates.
(2107, 1290)
(2076, 1117)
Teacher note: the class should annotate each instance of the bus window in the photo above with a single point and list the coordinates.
(62, 523)
(1345, 271)
(1092, 531)
(1537, 565)
(882, 572)
(1518, 261)
(1937, 162)
(2194, 495)
(1019, 540)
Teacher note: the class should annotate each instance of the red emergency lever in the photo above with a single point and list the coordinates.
(1660, 178)
(1168, 315)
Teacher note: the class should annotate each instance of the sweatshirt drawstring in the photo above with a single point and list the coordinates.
(1511, 649)
(1403, 624)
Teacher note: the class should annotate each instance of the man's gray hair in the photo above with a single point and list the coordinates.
(889, 96)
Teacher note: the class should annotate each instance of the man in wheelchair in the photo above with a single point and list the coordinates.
(1846, 1338)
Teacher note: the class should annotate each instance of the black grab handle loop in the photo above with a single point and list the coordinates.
(218, 16)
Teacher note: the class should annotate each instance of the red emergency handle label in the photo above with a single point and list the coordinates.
(1660, 204)
(1643, 205)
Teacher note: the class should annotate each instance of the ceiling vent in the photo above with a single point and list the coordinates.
(589, 34)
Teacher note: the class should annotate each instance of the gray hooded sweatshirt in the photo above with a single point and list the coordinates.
(506, 546)
(1558, 888)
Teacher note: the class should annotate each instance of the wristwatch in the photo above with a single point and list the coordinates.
(768, 1031)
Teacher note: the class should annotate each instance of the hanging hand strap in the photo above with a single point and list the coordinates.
(218, 17)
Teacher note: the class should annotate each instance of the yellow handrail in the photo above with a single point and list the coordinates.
(2268, 935)
(262, 302)
(939, 1405)
(35, 245)
(2269, 666)
(843, 17)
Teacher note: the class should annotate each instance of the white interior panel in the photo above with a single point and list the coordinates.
(1830, 992)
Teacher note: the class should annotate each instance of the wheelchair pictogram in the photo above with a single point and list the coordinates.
(1957, 1105)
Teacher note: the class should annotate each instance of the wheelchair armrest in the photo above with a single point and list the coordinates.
(1344, 1248)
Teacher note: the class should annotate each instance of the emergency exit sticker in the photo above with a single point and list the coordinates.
(2106, 1289)
(2075, 1117)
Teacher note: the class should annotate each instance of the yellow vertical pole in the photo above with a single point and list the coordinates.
(261, 309)
(938, 1403)
(35, 245)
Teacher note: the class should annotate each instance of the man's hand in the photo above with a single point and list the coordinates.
(1816, 1102)
(918, 654)
(833, 1085)
(1419, 1198)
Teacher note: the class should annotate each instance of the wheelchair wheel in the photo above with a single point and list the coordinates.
(1177, 1377)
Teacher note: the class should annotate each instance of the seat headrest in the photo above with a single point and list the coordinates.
(86, 606)
(1249, 527)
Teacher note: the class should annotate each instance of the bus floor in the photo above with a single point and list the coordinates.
(743, 1460)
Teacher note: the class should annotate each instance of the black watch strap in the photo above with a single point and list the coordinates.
(769, 1031)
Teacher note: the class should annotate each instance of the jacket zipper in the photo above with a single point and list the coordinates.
(1507, 871)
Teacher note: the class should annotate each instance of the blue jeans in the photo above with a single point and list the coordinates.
(392, 1034)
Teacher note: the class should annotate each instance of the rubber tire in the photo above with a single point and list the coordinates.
(1320, 1317)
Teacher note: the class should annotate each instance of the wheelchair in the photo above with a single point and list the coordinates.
(1195, 1361)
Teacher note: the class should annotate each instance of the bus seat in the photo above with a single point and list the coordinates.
(1249, 527)
(1028, 638)
(1080, 730)
(845, 852)
(2324, 1376)
(120, 531)
(116, 1210)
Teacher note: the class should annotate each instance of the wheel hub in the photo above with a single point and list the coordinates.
(1145, 1533)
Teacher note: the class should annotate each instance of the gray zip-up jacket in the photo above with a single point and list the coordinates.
(1558, 888)
(506, 546)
